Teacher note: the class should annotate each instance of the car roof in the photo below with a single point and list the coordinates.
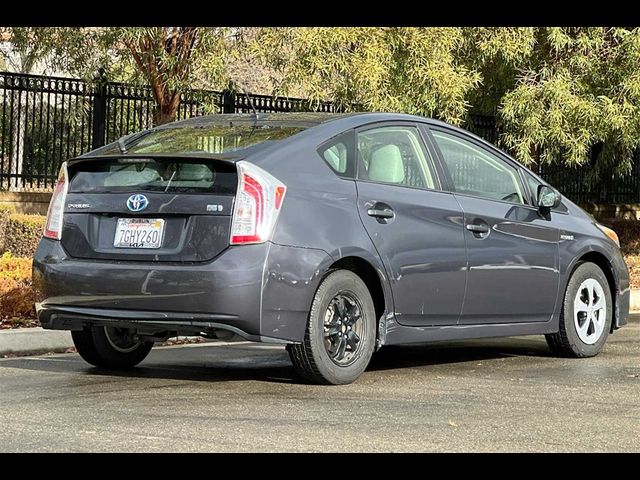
(296, 119)
(329, 122)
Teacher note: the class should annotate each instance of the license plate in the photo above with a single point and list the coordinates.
(139, 233)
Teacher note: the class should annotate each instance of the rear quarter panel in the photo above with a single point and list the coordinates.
(319, 213)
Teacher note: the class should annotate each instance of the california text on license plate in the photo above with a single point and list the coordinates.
(139, 233)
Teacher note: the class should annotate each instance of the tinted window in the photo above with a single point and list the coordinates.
(338, 154)
(476, 171)
(209, 139)
(155, 176)
(394, 155)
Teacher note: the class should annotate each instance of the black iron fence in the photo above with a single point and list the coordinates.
(581, 184)
(46, 120)
(584, 185)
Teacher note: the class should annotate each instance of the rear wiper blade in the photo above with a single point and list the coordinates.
(170, 180)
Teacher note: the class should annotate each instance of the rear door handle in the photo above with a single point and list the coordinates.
(472, 227)
(380, 213)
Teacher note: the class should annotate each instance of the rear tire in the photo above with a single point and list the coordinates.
(585, 319)
(108, 347)
(340, 334)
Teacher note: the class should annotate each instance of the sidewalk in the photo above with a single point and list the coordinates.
(25, 341)
(34, 341)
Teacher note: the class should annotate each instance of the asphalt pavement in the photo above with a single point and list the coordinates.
(482, 395)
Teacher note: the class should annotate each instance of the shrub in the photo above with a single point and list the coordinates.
(633, 262)
(5, 211)
(629, 233)
(15, 268)
(16, 292)
(22, 234)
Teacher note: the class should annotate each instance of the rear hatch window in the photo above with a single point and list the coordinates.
(213, 139)
(157, 175)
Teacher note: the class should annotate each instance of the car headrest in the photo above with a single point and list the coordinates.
(195, 172)
(386, 165)
(334, 160)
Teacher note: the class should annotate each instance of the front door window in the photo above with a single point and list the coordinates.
(476, 171)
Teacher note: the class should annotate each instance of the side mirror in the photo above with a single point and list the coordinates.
(548, 198)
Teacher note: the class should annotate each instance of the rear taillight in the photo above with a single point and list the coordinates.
(257, 205)
(53, 225)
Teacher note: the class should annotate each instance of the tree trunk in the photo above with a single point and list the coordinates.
(164, 114)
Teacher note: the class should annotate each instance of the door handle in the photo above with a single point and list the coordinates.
(381, 213)
(481, 229)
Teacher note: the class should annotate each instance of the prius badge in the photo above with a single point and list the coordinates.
(137, 202)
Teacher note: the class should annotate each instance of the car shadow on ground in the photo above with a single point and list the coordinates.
(213, 364)
(423, 355)
(246, 362)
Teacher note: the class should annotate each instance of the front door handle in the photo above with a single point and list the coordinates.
(472, 227)
(381, 213)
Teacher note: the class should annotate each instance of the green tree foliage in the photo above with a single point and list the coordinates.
(25, 48)
(413, 70)
(170, 60)
(167, 59)
(496, 54)
(560, 93)
(577, 89)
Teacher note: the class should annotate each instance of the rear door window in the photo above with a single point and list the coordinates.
(394, 155)
(338, 154)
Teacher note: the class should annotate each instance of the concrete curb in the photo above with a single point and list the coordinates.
(37, 340)
(34, 340)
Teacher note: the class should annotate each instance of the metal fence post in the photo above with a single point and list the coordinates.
(228, 100)
(99, 110)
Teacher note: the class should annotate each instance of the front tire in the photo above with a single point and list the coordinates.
(341, 331)
(109, 347)
(587, 312)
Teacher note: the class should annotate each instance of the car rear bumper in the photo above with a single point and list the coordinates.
(152, 323)
(261, 292)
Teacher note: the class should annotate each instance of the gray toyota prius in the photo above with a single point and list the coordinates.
(333, 234)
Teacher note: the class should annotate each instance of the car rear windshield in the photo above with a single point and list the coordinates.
(209, 138)
(170, 176)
